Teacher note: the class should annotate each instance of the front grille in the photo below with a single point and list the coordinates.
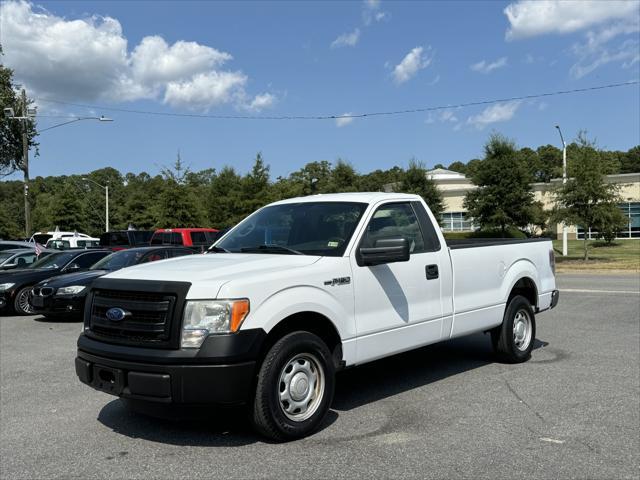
(42, 291)
(148, 320)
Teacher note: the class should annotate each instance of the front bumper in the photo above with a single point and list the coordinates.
(6, 301)
(54, 305)
(221, 372)
(180, 384)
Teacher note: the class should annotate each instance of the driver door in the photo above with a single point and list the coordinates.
(396, 306)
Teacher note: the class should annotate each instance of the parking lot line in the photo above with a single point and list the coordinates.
(581, 290)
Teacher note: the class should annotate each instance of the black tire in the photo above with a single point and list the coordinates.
(22, 294)
(509, 347)
(268, 412)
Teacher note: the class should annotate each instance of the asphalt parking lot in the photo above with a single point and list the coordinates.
(445, 411)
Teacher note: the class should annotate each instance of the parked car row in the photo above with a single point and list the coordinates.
(56, 285)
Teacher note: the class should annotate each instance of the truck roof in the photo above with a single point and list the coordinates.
(363, 197)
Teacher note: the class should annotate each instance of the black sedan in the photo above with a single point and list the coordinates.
(16, 285)
(64, 295)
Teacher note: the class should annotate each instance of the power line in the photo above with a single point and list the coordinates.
(354, 115)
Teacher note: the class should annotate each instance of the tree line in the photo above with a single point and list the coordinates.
(179, 197)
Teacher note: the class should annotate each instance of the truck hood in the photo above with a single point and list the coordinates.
(208, 272)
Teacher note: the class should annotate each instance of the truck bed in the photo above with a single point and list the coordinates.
(455, 244)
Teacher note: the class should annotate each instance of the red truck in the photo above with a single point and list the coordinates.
(197, 238)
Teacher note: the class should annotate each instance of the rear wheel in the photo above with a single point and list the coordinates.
(513, 340)
(21, 303)
(295, 387)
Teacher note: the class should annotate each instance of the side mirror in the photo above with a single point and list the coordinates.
(72, 267)
(386, 250)
(8, 266)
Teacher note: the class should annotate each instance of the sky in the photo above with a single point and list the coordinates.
(281, 59)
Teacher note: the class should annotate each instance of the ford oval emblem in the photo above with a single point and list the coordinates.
(116, 314)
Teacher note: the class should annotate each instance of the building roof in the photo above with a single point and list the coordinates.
(444, 174)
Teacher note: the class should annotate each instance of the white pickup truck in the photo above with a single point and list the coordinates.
(298, 290)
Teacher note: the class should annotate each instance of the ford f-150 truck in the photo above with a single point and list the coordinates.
(298, 290)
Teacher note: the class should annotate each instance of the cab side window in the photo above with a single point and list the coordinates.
(394, 220)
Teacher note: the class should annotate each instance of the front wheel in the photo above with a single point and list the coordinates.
(513, 340)
(295, 387)
(21, 303)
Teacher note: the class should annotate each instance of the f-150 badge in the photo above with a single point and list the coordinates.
(338, 281)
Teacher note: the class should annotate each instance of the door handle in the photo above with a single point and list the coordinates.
(432, 272)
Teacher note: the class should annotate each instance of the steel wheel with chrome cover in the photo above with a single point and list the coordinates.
(514, 339)
(295, 387)
(21, 302)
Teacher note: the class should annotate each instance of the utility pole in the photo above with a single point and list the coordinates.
(565, 248)
(25, 166)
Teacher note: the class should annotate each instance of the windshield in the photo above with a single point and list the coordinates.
(310, 228)
(118, 260)
(5, 256)
(55, 260)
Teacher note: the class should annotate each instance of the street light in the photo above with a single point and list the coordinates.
(28, 115)
(101, 118)
(106, 200)
(564, 181)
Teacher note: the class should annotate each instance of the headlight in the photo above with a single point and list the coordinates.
(72, 290)
(6, 286)
(205, 317)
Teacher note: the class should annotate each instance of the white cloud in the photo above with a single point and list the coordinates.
(413, 62)
(597, 50)
(604, 22)
(205, 90)
(262, 101)
(347, 39)
(448, 116)
(435, 80)
(444, 116)
(371, 12)
(344, 120)
(528, 18)
(88, 59)
(500, 112)
(487, 67)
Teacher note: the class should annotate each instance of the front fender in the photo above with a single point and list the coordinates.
(290, 301)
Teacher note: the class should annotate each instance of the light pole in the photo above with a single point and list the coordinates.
(564, 182)
(29, 114)
(101, 118)
(106, 201)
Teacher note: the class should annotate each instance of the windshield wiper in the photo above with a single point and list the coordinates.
(215, 249)
(270, 249)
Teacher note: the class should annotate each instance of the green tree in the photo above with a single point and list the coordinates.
(178, 206)
(11, 210)
(416, 181)
(224, 199)
(587, 199)
(503, 198)
(379, 180)
(630, 163)
(11, 130)
(458, 166)
(140, 200)
(314, 177)
(344, 178)
(67, 212)
(549, 163)
(255, 187)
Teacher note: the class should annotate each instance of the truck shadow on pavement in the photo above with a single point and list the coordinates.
(354, 388)
(400, 373)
